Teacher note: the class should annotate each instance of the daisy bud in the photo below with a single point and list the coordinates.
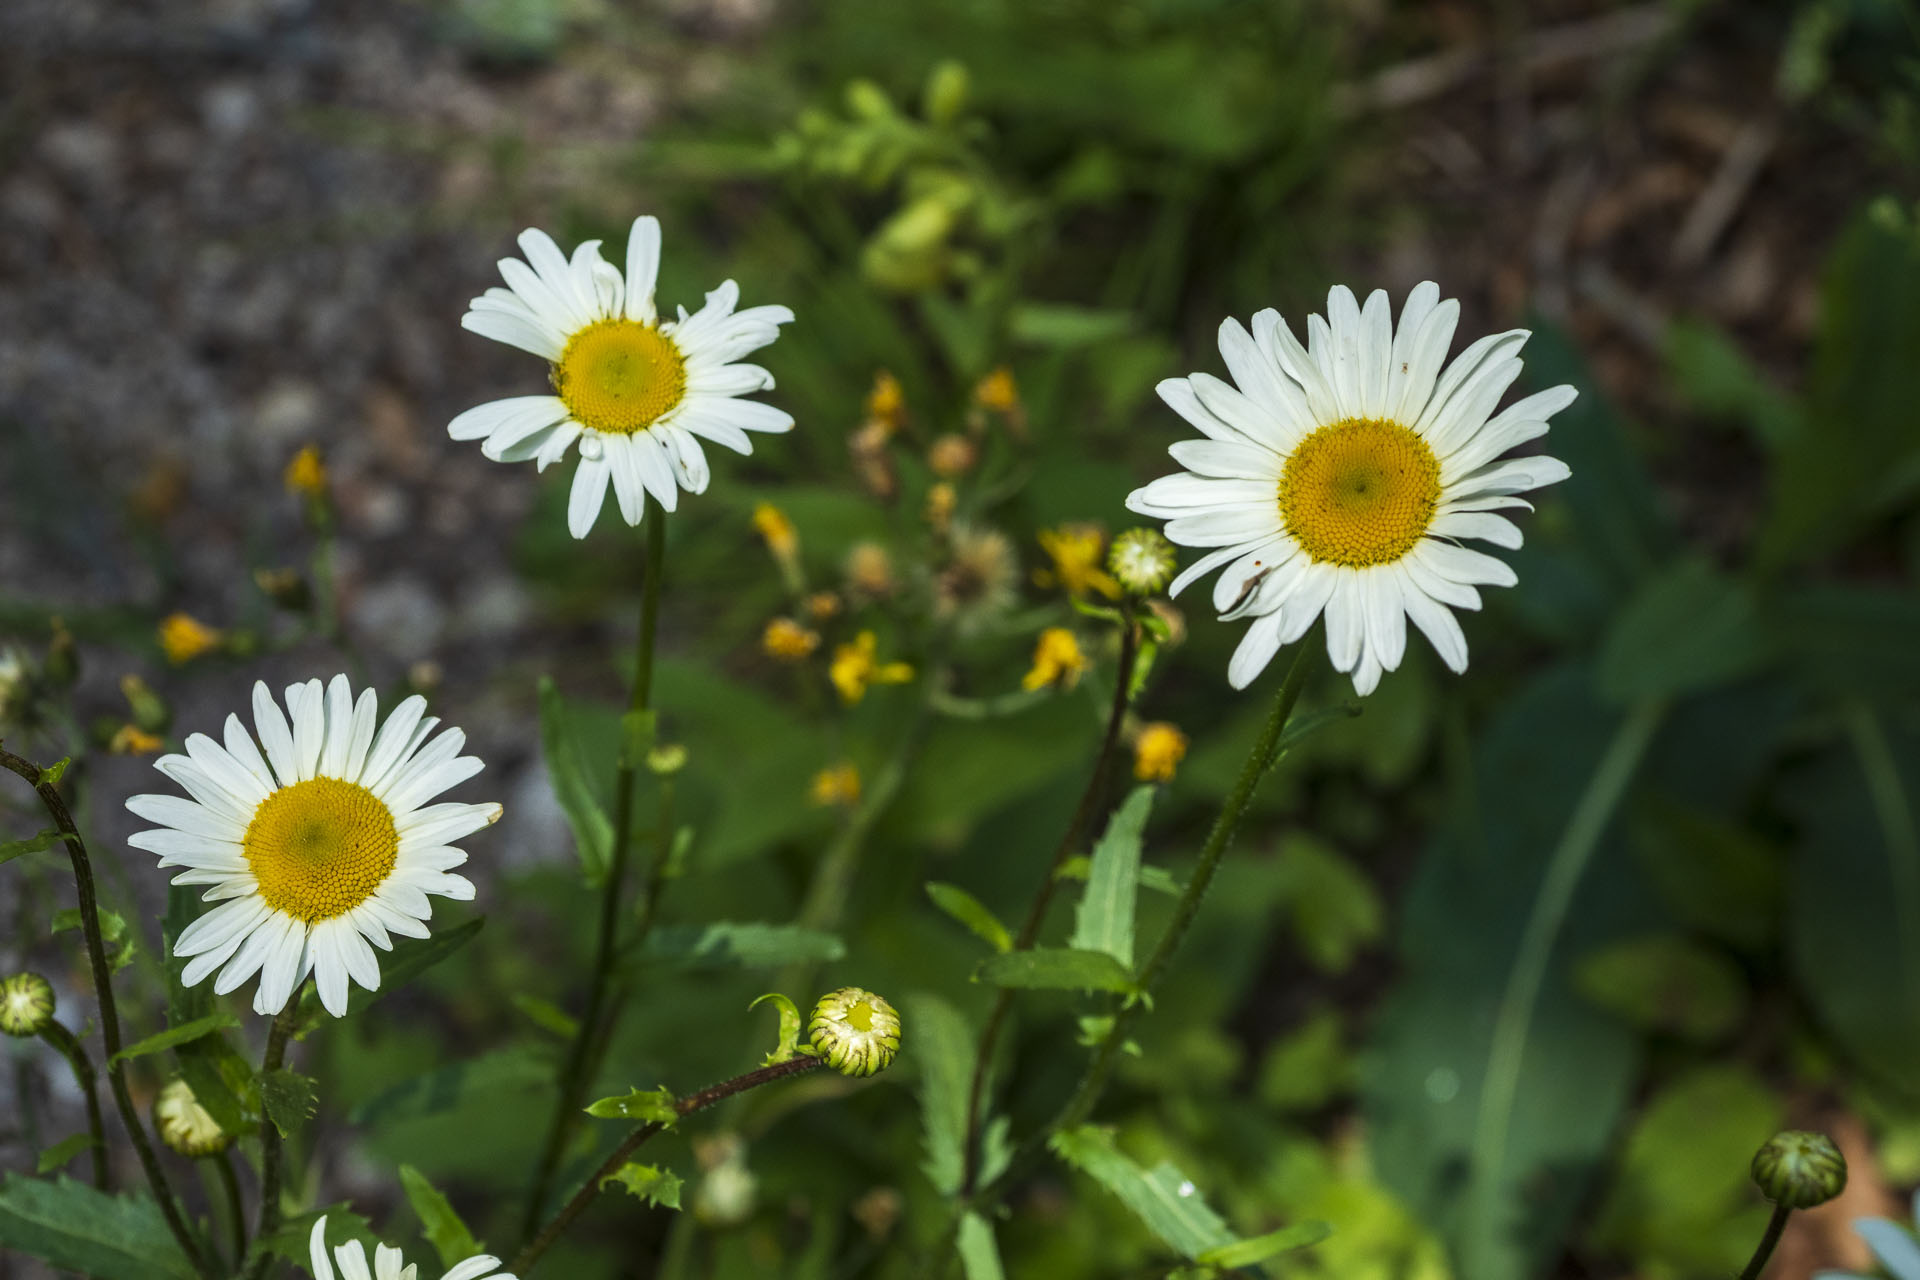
(16, 686)
(1798, 1170)
(26, 1004)
(855, 1032)
(1142, 561)
(185, 1125)
(151, 713)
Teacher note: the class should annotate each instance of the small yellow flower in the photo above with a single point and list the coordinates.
(129, 740)
(952, 455)
(887, 402)
(941, 501)
(306, 475)
(184, 638)
(185, 1125)
(855, 1031)
(837, 785)
(1057, 661)
(870, 569)
(778, 531)
(855, 667)
(1075, 550)
(998, 392)
(822, 605)
(1158, 751)
(867, 447)
(788, 641)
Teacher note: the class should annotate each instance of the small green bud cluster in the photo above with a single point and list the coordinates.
(1798, 1170)
(26, 1004)
(854, 1031)
(1142, 561)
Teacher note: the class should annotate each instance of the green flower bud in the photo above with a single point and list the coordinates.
(185, 1125)
(26, 1004)
(1798, 1170)
(1142, 561)
(946, 94)
(150, 711)
(16, 686)
(855, 1031)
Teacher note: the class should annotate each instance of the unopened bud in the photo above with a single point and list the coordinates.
(185, 1125)
(1798, 1170)
(855, 1031)
(26, 1004)
(285, 587)
(151, 714)
(1142, 561)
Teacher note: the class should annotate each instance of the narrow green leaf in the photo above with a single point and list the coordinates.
(288, 1097)
(1104, 921)
(1163, 1198)
(592, 830)
(971, 912)
(443, 1228)
(51, 775)
(979, 1255)
(1688, 628)
(57, 1155)
(1059, 324)
(647, 1105)
(789, 1042)
(185, 1033)
(943, 1045)
(654, 1185)
(548, 1016)
(414, 956)
(1155, 879)
(1056, 968)
(73, 1227)
(730, 944)
(1245, 1253)
(11, 849)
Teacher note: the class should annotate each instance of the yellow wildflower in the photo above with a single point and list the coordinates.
(952, 455)
(870, 570)
(1075, 550)
(306, 475)
(1157, 751)
(184, 638)
(1057, 661)
(855, 667)
(778, 531)
(822, 605)
(130, 740)
(887, 402)
(997, 391)
(941, 501)
(788, 641)
(838, 785)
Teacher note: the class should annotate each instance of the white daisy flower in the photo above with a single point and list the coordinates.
(386, 1262)
(318, 847)
(1342, 477)
(634, 391)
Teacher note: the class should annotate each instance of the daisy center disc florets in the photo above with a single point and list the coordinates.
(1360, 492)
(620, 376)
(320, 848)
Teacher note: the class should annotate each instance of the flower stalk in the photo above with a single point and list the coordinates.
(270, 1144)
(75, 1053)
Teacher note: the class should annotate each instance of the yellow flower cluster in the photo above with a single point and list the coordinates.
(1076, 551)
(857, 665)
(1057, 661)
(838, 785)
(787, 641)
(1158, 751)
(184, 638)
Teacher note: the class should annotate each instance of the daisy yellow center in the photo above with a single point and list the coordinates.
(1359, 492)
(320, 848)
(619, 376)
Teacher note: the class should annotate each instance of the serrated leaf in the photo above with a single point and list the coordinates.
(291, 1240)
(74, 1227)
(1153, 878)
(789, 1042)
(654, 1185)
(971, 912)
(1163, 1198)
(547, 1016)
(1056, 969)
(288, 1097)
(1245, 1253)
(731, 944)
(944, 1047)
(592, 829)
(185, 1033)
(979, 1255)
(51, 775)
(120, 945)
(57, 1155)
(654, 1106)
(11, 849)
(443, 1228)
(1665, 983)
(1104, 921)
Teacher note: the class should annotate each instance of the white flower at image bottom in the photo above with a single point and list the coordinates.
(638, 393)
(1342, 478)
(386, 1262)
(318, 849)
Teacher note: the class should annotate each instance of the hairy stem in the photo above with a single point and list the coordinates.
(236, 1207)
(109, 1010)
(686, 1106)
(270, 1144)
(589, 1043)
(1070, 842)
(76, 1055)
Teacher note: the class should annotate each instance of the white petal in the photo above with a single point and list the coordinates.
(474, 1267)
(1487, 444)
(329, 967)
(1488, 350)
(1255, 651)
(588, 493)
(366, 718)
(728, 380)
(390, 744)
(414, 766)
(1250, 418)
(1222, 525)
(1484, 525)
(1309, 598)
(1262, 382)
(1185, 495)
(1179, 395)
(1248, 576)
(240, 746)
(1213, 560)
(220, 927)
(1346, 625)
(418, 786)
(1471, 406)
(1437, 623)
(339, 739)
(236, 779)
(1429, 583)
(209, 794)
(307, 703)
(1306, 385)
(483, 420)
(1419, 305)
(439, 823)
(544, 256)
(1375, 354)
(513, 331)
(643, 267)
(685, 455)
(317, 1250)
(271, 724)
(623, 466)
(185, 815)
(1515, 475)
(1459, 564)
(187, 849)
(1386, 618)
(586, 285)
(1225, 460)
(650, 457)
(1426, 351)
(1366, 675)
(1344, 350)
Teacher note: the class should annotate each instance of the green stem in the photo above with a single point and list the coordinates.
(1219, 840)
(683, 1107)
(1514, 1019)
(1070, 841)
(1775, 1225)
(76, 1055)
(236, 1210)
(109, 1010)
(590, 1041)
(270, 1144)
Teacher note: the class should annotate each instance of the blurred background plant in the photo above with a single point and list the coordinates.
(1511, 973)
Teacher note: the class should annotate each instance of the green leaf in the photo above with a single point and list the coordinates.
(1665, 983)
(185, 1033)
(1334, 908)
(57, 1155)
(979, 1255)
(1308, 1067)
(1245, 1253)
(1714, 375)
(1153, 878)
(651, 1106)
(566, 772)
(288, 1097)
(443, 1228)
(1055, 324)
(547, 1016)
(290, 1241)
(1688, 628)
(789, 1042)
(1056, 968)
(731, 945)
(654, 1185)
(1104, 921)
(51, 775)
(944, 1046)
(1164, 1198)
(71, 1226)
(969, 911)
(11, 849)
(1715, 876)
(414, 956)
(120, 945)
